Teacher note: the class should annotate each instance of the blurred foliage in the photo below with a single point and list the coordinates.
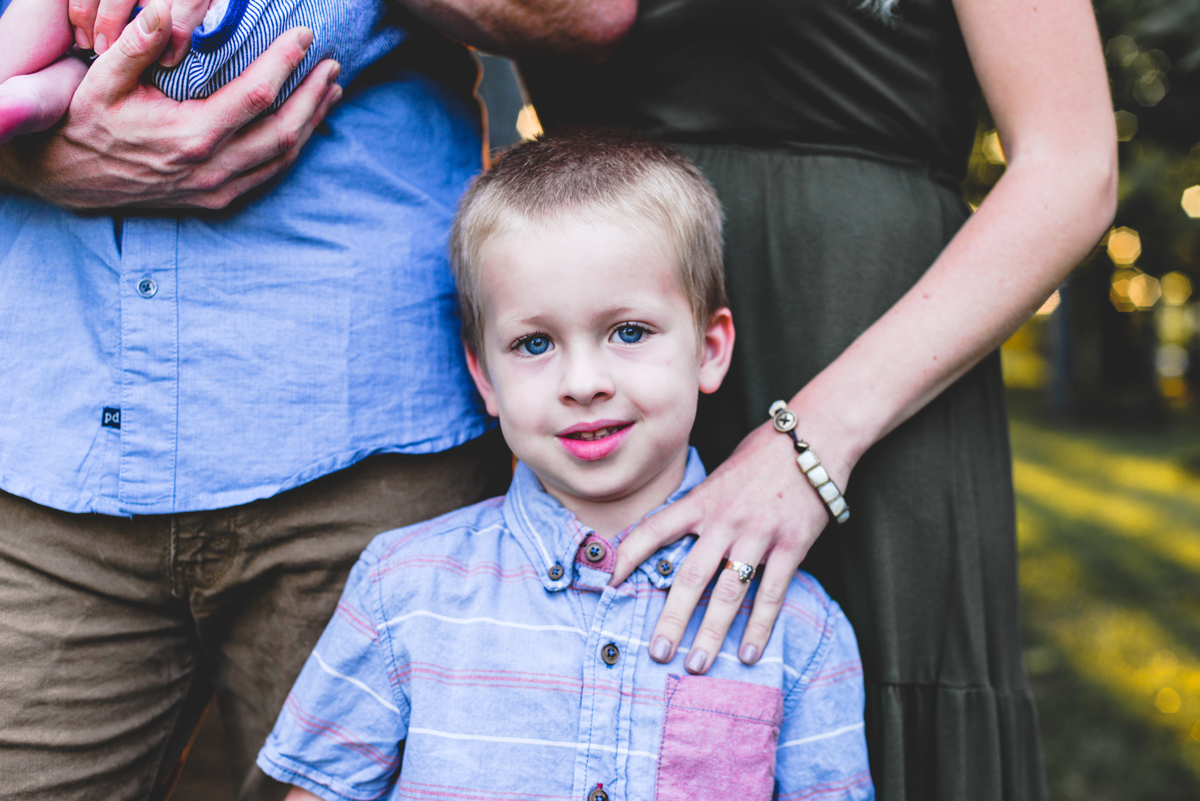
(1097, 354)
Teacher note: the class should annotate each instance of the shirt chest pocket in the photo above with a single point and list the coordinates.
(718, 741)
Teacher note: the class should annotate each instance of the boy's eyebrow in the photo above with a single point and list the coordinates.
(545, 319)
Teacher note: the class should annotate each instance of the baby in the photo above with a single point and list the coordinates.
(483, 654)
(37, 81)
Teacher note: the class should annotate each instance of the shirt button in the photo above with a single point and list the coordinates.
(610, 654)
(664, 567)
(595, 552)
(147, 287)
(598, 794)
(556, 572)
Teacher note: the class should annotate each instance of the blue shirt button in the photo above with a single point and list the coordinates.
(147, 287)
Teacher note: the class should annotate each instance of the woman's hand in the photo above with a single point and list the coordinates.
(126, 144)
(757, 508)
(98, 23)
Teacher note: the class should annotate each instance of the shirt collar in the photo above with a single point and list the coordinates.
(551, 535)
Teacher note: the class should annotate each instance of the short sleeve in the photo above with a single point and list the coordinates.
(822, 750)
(341, 729)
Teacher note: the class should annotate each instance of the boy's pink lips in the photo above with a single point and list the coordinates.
(589, 450)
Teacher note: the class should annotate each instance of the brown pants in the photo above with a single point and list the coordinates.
(114, 631)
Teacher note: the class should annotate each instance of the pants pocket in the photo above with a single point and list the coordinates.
(718, 741)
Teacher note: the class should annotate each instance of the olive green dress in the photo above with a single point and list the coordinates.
(837, 143)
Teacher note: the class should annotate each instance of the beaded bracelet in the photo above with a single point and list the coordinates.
(785, 423)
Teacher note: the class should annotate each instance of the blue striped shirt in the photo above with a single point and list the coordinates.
(353, 32)
(484, 652)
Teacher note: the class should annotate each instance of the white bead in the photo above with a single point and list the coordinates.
(828, 491)
(818, 476)
(844, 516)
(807, 461)
(837, 506)
(775, 407)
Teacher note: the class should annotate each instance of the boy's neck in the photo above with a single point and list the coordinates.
(610, 517)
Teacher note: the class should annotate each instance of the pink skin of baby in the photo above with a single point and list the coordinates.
(36, 80)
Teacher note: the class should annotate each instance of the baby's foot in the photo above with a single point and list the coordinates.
(35, 102)
(18, 113)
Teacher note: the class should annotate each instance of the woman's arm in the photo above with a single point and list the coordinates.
(1041, 70)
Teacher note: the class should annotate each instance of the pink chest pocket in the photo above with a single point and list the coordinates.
(718, 741)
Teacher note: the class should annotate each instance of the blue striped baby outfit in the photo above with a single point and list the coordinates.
(354, 32)
(482, 655)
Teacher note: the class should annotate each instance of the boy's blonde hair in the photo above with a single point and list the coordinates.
(613, 175)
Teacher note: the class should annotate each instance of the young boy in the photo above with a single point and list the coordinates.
(483, 654)
(37, 82)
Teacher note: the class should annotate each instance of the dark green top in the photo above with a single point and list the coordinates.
(777, 72)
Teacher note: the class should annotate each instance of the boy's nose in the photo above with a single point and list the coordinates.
(586, 379)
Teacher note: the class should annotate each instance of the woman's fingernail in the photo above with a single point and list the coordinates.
(304, 38)
(101, 43)
(148, 18)
(81, 39)
(696, 661)
(334, 72)
(660, 649)
(168, 55)
(748, 653)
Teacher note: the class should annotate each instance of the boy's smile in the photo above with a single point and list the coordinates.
(592, 362)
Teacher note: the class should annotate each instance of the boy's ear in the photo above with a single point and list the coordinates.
(716, 350)
(482, 382)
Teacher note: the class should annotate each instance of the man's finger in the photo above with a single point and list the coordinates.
(115, 74)
(250, 94)
(724, 603)
(186, 16)
(292, 123)
(666, 527)
(111, 18)
(260, 171)
(774, 581)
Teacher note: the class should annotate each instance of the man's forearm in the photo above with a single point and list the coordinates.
(587, 29)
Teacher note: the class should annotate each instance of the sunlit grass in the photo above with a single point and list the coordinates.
(1109, 538)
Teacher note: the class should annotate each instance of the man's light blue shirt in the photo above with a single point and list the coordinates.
(154, 363)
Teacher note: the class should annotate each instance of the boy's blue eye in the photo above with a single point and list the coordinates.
(630, 333)
(535, 345)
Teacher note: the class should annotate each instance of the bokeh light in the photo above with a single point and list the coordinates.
(1176, 288)
(1144, 291)
(1050, 305)
(1124, 246)
(1191, 201)
(528, 125)
(1127, 125)
(993, 151)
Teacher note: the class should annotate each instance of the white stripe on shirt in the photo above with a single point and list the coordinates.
(325, 667)
(823, 736)
(489, 738)
(468, 621)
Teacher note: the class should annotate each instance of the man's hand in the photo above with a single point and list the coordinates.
(125, 144)
(98, 23)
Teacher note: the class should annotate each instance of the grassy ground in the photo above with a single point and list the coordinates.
(1109, 536)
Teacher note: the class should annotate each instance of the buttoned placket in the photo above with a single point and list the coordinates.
(149, 363)
(609, 673)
